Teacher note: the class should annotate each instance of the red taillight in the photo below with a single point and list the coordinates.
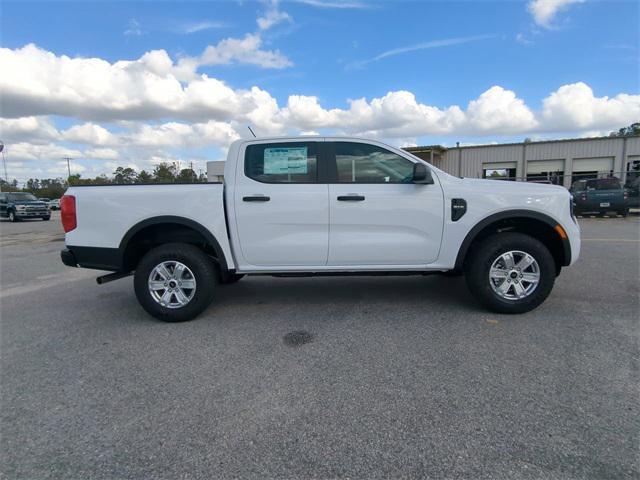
(68, 212)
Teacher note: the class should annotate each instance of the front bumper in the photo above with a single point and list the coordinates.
(32, 214)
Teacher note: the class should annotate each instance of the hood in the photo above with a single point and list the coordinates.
(513, 187)
(36, 203)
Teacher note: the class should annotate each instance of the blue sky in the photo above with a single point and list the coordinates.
(441, 55)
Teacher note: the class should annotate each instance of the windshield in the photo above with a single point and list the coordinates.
(604, 184)
(21, 197)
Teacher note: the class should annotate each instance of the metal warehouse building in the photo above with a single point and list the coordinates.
(556, 161)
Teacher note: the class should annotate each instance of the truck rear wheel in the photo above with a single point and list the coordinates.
(510, 272)
(175, 282)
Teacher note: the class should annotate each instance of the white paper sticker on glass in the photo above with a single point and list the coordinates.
(288, 160)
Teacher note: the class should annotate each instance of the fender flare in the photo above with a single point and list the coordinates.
(208, 236)
(478, 227)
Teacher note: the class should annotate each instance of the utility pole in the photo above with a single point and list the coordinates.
(68, 159)
(4, 161)
(192, 172)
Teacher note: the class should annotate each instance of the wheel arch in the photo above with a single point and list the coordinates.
(536, 224)
(155, 231)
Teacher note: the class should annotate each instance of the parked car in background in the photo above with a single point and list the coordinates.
(19, 205)
(633, 190)
(600, 195)
(54, 204)
(325, 206)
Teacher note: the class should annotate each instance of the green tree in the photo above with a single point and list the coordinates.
(76, 179)
(124, 175)
(144, 177)
(632, 130)
(187, 175)
(165, 173)
(8, 187)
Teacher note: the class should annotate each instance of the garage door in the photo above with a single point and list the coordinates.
(498, 165)
(540, 166)
(600, 164)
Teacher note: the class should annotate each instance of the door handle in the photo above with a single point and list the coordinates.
(256, 198)
(351, 198)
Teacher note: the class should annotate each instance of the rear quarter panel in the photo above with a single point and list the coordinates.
(106, 213)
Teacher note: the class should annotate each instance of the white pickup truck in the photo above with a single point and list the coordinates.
(322, 206)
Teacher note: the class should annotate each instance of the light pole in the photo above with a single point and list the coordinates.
(4, 162)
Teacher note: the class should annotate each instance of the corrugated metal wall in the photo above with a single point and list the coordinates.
(468, 161)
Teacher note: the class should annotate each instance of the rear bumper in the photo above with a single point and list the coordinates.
(92, 257)
(595, 207)
(68, 258)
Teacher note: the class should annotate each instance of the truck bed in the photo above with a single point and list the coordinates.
(108, 212)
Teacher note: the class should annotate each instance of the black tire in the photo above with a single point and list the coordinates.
(46, 218)
(481, 258)
(624, 213)
(227, 278)
(197, 261)
(13, 217)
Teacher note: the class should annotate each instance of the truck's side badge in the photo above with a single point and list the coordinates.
(458, 208)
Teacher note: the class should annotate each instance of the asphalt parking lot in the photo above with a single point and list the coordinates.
(403, 377)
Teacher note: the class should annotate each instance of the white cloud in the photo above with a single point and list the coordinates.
(90, 134)
(272, 16)
(101, 153)
(446, 42)
(521, 38)
(139, 111)
(33, 129)
(544, 11)
(134, 29)
(499, 110)
(574, 107)
(398, 114)
(196, 27)
(244, 50)
(38, 82)
(333, 4)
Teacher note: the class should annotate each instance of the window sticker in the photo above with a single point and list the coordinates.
(292, 160)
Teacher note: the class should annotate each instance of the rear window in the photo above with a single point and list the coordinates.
(604, 184)
(282, 162)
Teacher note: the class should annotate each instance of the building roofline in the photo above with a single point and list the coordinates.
(539, 142)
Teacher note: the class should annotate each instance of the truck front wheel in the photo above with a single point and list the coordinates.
(510, 272)
(175, 282)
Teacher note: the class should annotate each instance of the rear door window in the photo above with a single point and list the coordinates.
(604, 184)
(282, 162)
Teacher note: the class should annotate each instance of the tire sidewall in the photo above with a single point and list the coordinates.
(489, 250)
(200, 265)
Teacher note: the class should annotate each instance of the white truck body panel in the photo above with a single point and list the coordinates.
(106, 213)
(401, 227)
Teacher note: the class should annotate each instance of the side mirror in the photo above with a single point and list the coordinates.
(421, 174)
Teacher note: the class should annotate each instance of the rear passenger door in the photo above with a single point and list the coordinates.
(378, 216)
(282, 208)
